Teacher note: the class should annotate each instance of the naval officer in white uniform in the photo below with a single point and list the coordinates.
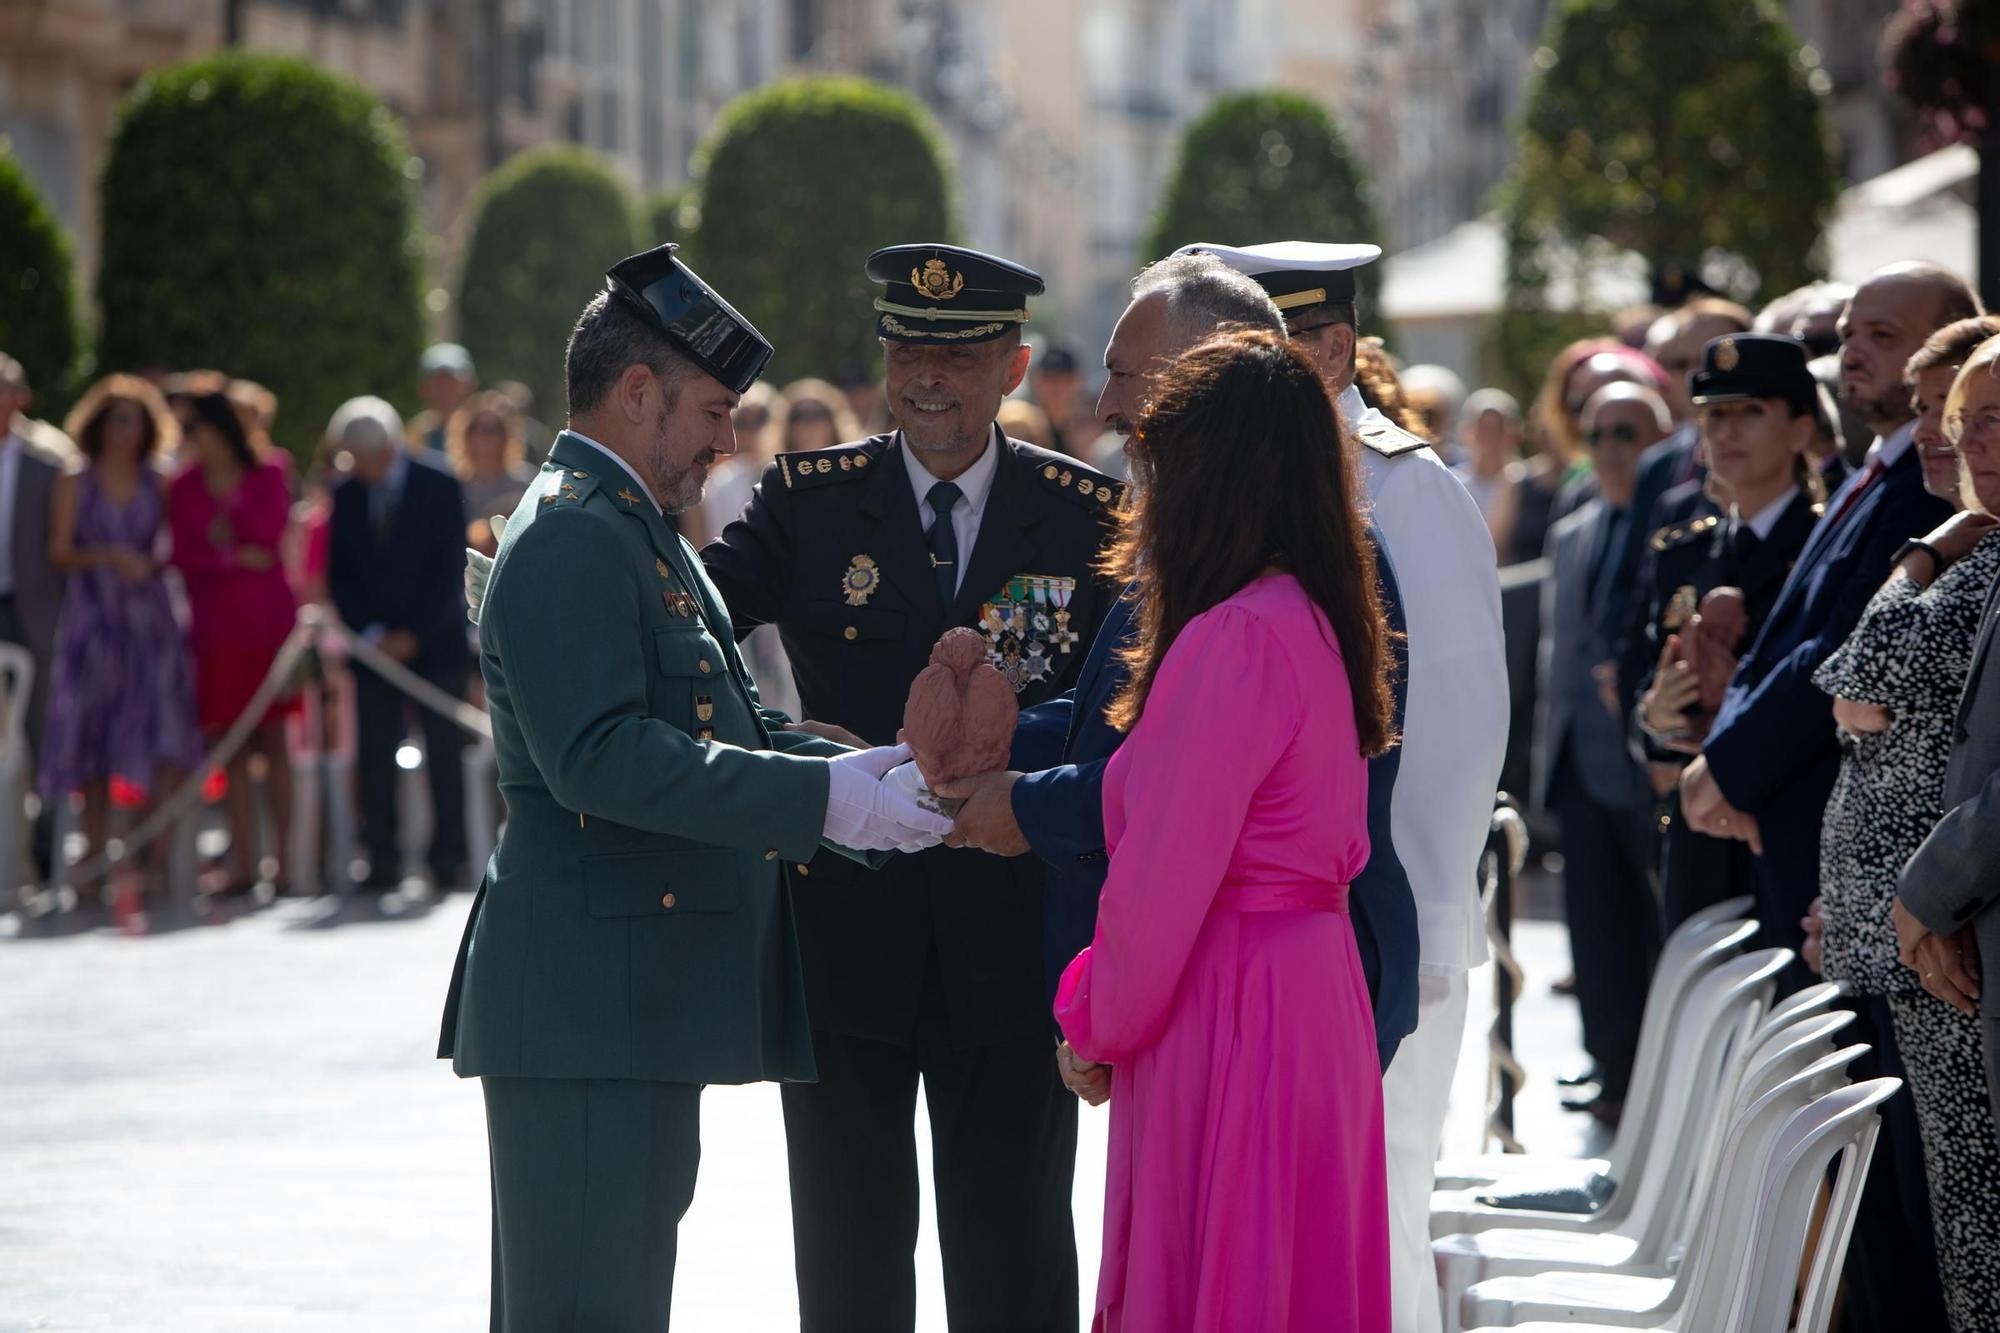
(1454, 727)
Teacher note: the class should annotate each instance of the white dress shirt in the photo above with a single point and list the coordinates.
(976, 482)
(1455, 707)
(11, 446)
(630, 471)
(1766, 518)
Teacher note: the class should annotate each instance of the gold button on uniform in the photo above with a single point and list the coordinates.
(703, 666)
(771, 855)
(667, 900)
(850, 634)
(805, 870)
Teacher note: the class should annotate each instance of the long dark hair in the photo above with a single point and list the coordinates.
(215, 409)
(1239, 467)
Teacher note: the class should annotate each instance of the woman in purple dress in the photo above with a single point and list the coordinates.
(121, 691)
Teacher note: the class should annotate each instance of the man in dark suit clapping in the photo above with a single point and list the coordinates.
(395, 568)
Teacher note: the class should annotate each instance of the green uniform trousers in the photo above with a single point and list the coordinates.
(590, 1180)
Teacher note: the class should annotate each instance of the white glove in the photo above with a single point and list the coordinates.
(478, 570)
(868, 816)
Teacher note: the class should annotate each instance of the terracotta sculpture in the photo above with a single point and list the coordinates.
(960, 715)
(1713, 641)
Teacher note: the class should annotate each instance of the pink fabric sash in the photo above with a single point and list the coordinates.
(1281, 898)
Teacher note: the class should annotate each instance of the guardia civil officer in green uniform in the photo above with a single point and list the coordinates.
(1755, 405)
(931, 967)
(633, 940)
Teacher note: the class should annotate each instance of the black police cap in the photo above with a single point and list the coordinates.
(1754, 365)
(701, 325)
(948, 294)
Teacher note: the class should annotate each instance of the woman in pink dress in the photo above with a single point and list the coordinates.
(228, 510)
(1245, 1188)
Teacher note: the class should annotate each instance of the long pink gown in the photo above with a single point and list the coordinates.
(1244, 1188)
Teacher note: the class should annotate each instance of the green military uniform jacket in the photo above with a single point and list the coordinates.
(635, 921)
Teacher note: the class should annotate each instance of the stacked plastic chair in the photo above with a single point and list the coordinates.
(1742, 1276)
(1793, 1051)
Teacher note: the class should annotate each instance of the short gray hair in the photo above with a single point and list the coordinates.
(608, 339)
(1204, 295)
(366, 423)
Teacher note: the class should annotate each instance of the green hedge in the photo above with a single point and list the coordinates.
(545, 227)
(260, 219)
(37, 288)
(1265, 166)
(798, 184)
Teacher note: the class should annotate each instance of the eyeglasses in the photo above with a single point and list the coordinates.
(1619, 434)
(1985, 423)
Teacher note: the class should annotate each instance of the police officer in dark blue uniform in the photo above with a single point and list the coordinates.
(931, 967)
(1755, 402)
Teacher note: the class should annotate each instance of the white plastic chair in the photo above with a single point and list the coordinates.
(1692, 951)
(1724, 1009)
(1743, 1274)
(1800, 1060)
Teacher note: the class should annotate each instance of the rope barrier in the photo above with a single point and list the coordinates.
(1506, 853)
(312, 623)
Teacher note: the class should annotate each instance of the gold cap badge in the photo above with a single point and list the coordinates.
(1726, 355)
(935, 282)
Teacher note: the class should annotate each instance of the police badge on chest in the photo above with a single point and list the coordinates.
(1027, 627)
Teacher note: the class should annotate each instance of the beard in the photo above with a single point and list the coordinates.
(1890, 404)
(676, 486)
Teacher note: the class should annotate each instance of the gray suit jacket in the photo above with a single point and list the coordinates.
(38, 584)
(1573, 715)
(1955, 876)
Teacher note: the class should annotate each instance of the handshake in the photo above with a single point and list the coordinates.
(959, 720)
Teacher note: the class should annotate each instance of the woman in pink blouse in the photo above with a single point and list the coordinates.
(228, 511)
(1245, 1188)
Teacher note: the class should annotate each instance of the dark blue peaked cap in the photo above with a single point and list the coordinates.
(948, 294)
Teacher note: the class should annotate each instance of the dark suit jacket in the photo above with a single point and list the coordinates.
(1955, 876)
(1061, 748)
(411, 577)
(1773, 749)
(964, 922)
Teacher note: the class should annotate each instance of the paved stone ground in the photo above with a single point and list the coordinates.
(237, 1128)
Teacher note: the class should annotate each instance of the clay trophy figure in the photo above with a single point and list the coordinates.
(959, 719)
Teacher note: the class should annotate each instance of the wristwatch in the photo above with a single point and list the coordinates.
(1938, 562)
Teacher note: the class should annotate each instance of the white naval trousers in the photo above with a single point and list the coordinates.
(1415, 1093)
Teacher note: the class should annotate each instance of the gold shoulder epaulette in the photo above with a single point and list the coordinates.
(1388, 439)
(817, 467)
(1682, 533)
(1081, 484)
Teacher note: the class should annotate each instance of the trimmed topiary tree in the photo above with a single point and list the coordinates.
(799, 183)
(1265, 166)
(545, 227)
(664, 214)
(1691, 132)
(260, 219)
(37, 289)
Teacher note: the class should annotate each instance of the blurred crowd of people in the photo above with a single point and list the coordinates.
(1745, 560)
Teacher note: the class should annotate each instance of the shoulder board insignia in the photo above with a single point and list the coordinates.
(1680, 533)
(562, 486)
(1388, 439)
(1081, 484)
(820, 466)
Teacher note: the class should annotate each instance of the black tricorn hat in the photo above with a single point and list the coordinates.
(1754, 365)
(948, 294)
(701, 325)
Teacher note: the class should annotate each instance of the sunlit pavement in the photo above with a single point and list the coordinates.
(239, 1127)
